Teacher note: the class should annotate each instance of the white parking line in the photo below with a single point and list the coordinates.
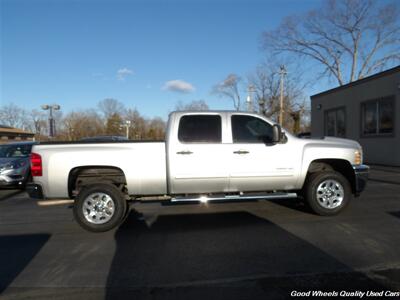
(54, 202)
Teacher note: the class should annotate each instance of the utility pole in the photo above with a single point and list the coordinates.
(282, 73)
(249, 101)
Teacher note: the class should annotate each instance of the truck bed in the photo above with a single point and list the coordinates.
(142, 162)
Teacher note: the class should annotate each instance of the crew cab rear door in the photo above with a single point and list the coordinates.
(197, 155)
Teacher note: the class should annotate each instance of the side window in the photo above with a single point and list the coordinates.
(200, 129)
(247, 129)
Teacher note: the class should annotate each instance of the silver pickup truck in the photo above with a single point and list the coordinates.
(207, 156)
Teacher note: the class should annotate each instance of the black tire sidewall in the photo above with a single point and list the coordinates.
(311, 191)
(119, 203)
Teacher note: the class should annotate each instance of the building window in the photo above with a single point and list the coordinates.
(335, 122)
(377, 117)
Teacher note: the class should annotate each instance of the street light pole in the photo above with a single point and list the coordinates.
(127, 126)
(250, 91)
(52, 125)
(282, 73)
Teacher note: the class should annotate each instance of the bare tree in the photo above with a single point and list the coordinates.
(14, 116)
(110, 106)
(138, 124)
(350, 39)
(156, 129)
(194, 105)
(266, 83)
(229, 88)
(266, 87)
(39, 122)
(77, 125)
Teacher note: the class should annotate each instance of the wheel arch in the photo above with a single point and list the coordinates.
(84, 175)
(341, 166)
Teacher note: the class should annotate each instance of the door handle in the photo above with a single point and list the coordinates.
(241, 152)
(186, 152)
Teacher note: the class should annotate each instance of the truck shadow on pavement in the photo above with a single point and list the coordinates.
(294, 204)
(395, 213)
(234, 255)
(16, 251)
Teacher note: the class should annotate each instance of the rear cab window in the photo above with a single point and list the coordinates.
(200, 129)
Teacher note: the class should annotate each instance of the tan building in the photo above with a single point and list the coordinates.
(367, 110)
(10, 134)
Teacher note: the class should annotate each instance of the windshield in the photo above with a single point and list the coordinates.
(15, 151)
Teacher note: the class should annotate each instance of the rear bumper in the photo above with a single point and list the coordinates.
(361, 173)
(34, 190)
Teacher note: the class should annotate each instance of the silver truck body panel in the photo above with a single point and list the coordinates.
(143, 164)
(161, 168)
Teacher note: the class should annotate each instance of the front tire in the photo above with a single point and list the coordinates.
(327, 193)
(100, 207)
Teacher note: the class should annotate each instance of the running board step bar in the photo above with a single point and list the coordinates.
(204, 199)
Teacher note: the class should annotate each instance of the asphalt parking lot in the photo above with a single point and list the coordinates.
(248, 250)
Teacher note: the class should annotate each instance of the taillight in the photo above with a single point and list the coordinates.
(36, 165)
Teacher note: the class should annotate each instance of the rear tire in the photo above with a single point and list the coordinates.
(327, 193)
(100, 207)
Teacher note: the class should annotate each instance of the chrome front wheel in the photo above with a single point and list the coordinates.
(327, 193)
(330, 193)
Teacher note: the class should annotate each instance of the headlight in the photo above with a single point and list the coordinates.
(7, 167)
(358, 157)
(13, 165)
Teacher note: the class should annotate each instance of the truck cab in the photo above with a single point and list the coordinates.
(229, 152)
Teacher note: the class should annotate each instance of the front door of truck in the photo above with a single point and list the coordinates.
(197, 156)
(257, 164)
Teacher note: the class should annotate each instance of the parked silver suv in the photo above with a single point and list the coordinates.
(14, 164)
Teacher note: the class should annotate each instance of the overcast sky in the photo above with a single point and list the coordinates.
(147, 54)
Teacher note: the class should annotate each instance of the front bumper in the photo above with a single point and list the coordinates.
(361, 174)
(11, 184)
(13, 177)
(34, 190)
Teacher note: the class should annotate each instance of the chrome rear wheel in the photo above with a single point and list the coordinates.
(98, 208)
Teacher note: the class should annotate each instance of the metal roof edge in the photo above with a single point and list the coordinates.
(360, 81)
